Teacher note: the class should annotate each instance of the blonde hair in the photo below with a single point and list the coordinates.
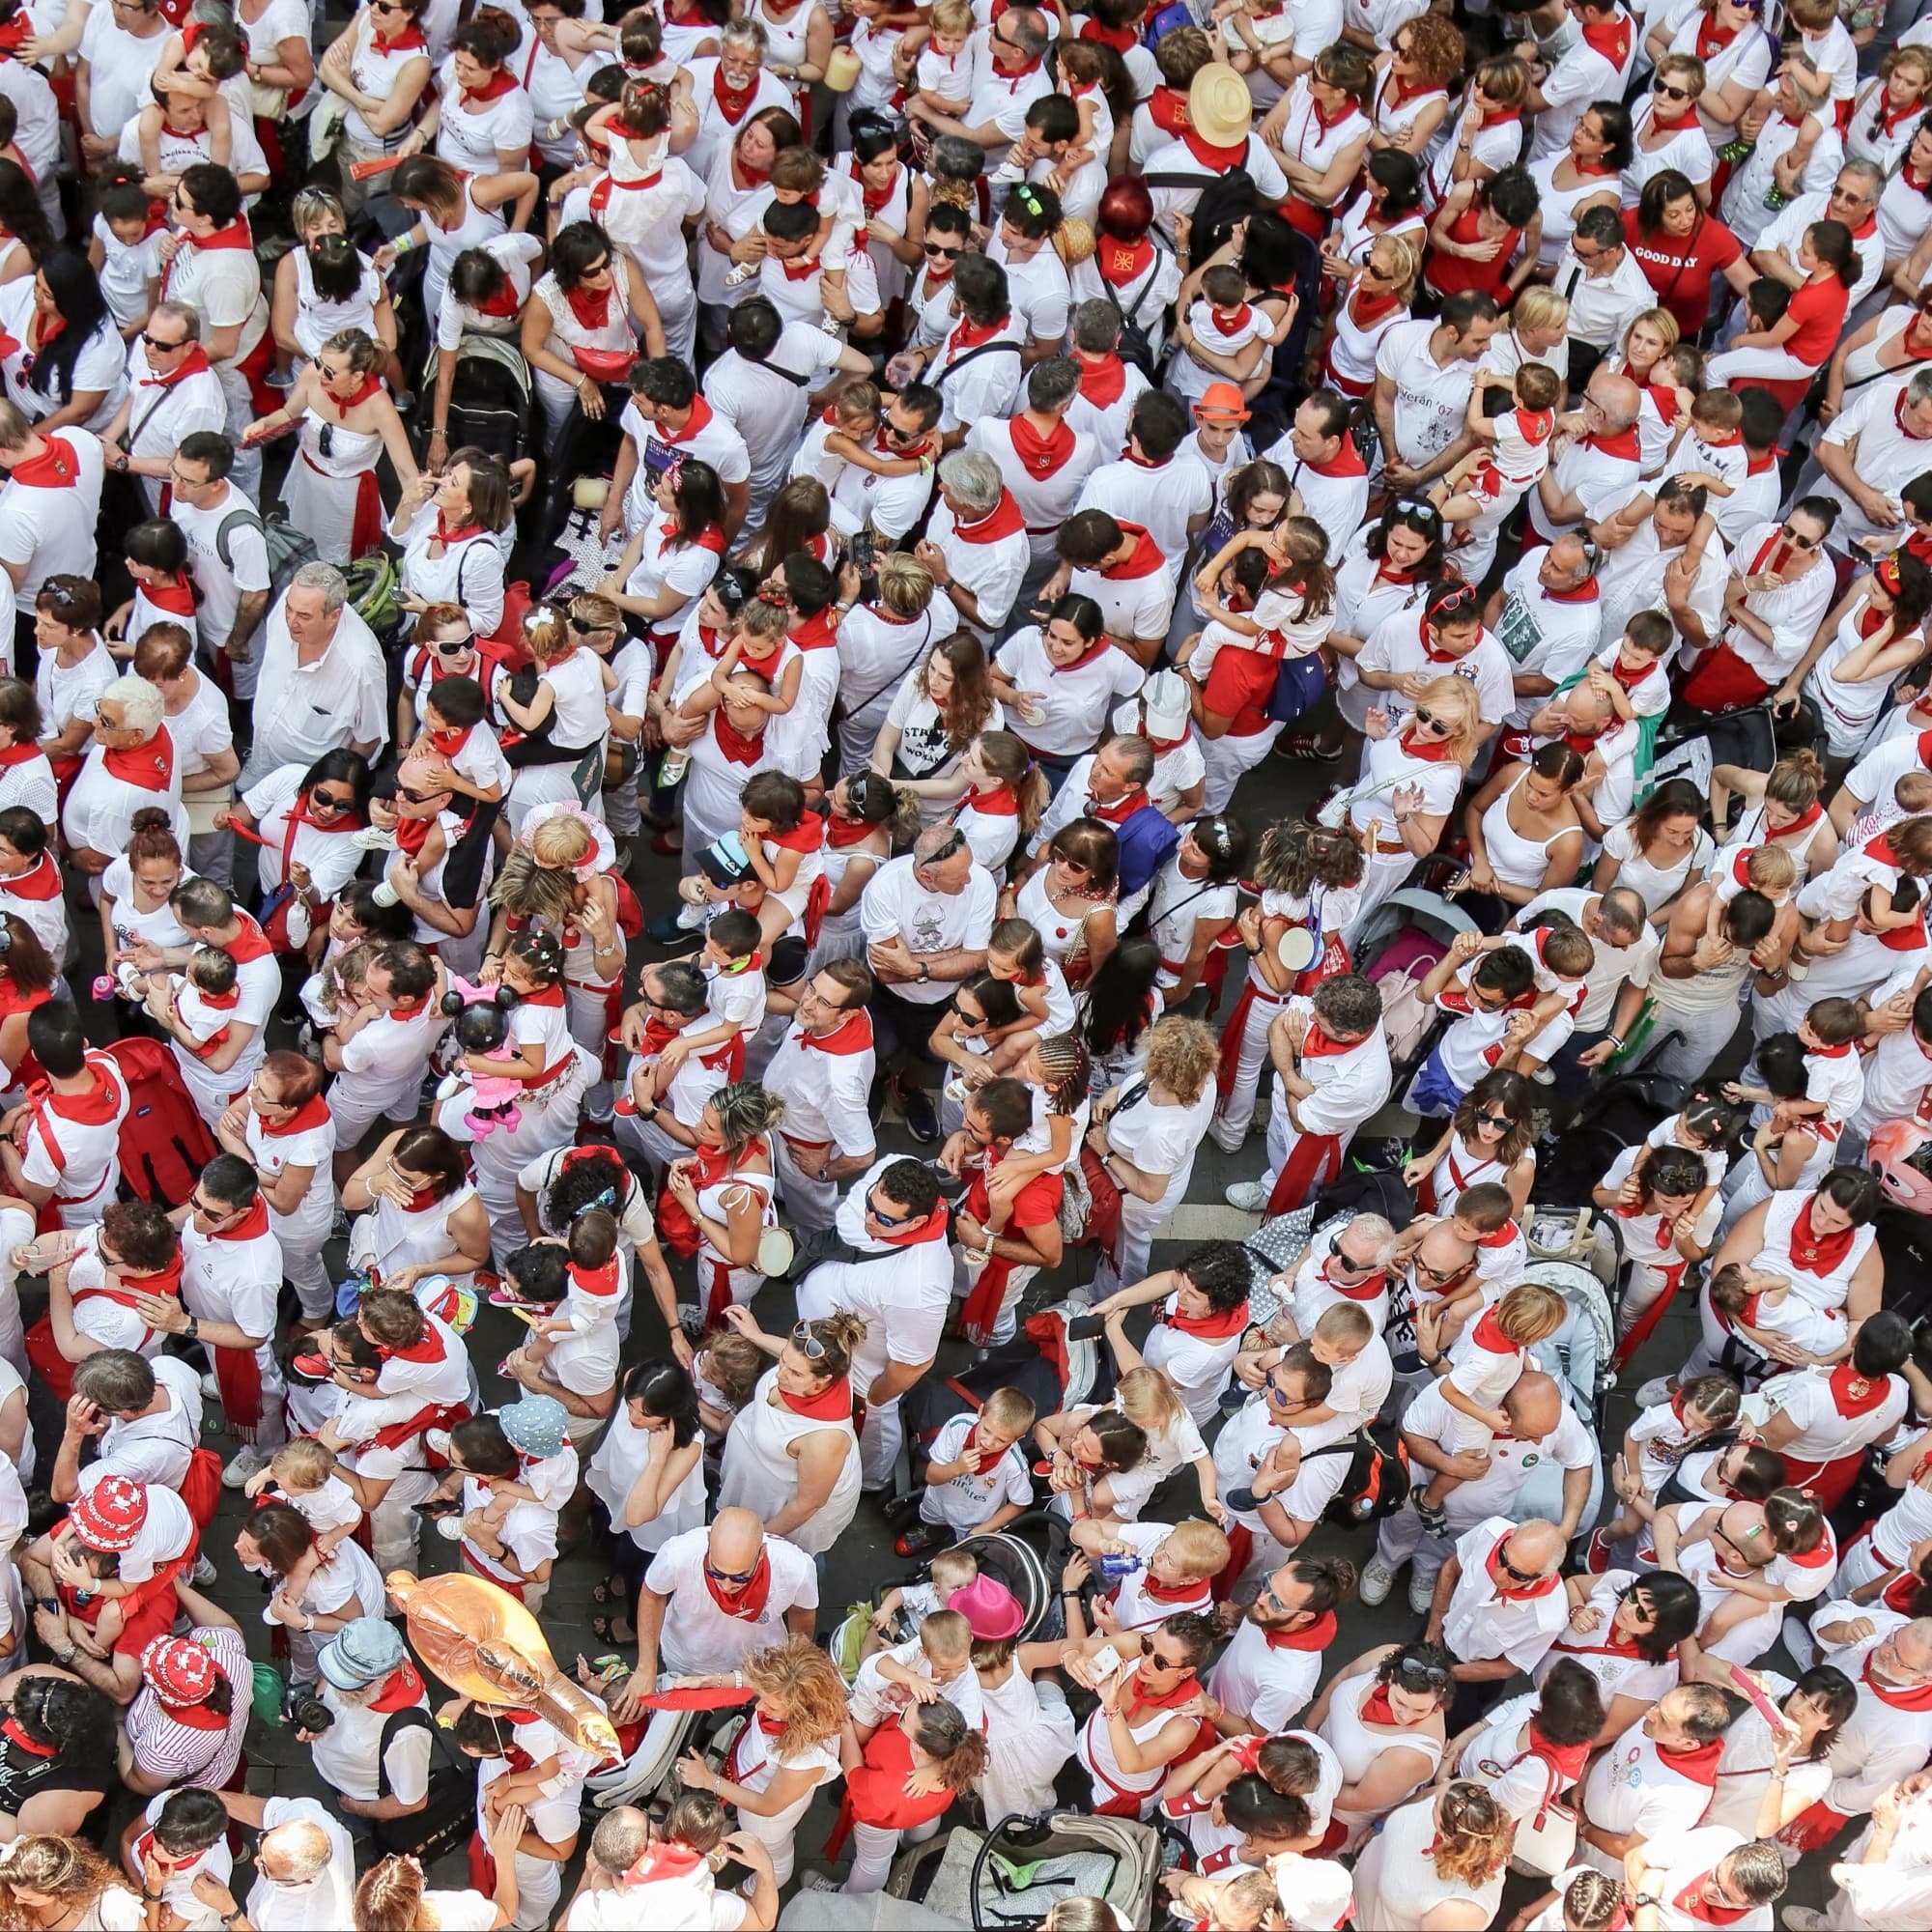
(1473, 1834)
(1145, 1396)
(311, 206)
(1659, 318)
(67, 1870)
(960, 1565)
(1184, 1055)
(1010, 1410)
(1687, 66)
(905, 585)
(1539, 307)
(952, 17)
(947, 1632)
(302, 1462)
(804, 1683)
(745, 1111)
(1407, 259)
(1198, 1546)
(528, 887)
(1771, 869)
(1531, 1313)
(1445, 694)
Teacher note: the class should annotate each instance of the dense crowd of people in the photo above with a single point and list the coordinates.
(908, 473)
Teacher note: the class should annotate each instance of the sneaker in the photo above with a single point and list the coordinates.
(449, 1528)
(1544, 1077)
(666, 932)
(279, 379)
(211, 1389)
(1249, 1196)
(205, 1574)
(922, 1117)
(1377, 1580)
(1227, 1143)
(814, 1881)
(436, 1441)
(373, 838)
(249, 1461)
(1306, 747)
(1597, 1554)
(1657, 1390)
(1421, 1591)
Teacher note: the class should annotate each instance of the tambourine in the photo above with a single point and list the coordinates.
(1296, 950)
(775, 1251)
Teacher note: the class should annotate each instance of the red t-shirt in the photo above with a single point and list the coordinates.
(1454, 275)
(1680, 266)
(1819, 310)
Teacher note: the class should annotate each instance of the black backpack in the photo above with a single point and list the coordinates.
(1376, 1484)
(447, 1820)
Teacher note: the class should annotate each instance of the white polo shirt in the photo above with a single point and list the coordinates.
(1479, 1624)
(1396, 645)
(991, 569)
(303, 710)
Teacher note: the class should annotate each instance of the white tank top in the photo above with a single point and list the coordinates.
(761, 1474)
(613, 1472)
(1515, 860)
(1402, 1884)
(1780, 1222)
(406, 1240)
(1356, 1746)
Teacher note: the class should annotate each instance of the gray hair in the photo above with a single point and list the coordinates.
(1920, 388)
(745, 33)
(1135, 754)
(1376, 1228)
(1870, 172)
(1097, 325)
(301, 1849)
(1029, 31)
(142, 705)
(974, 478)
(934, 839)
(330, 581)
(1053, 384)
(183, 313)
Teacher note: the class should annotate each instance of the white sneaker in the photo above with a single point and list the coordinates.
(436, 1441)
(248, 1462)
(1249, 1196)
(210, 1388)
(1421, 1591)
(205, 1573)
(449, 1528)
(1377, 1580)
(1227, 1143)
(1656, 1391)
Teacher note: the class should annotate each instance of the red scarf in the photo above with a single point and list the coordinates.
(1612, 39)
(853, 1035)
(411, 836)
(1216, 156)
(1145, 560)
(1042, 455)
(1855, 1394)
(733, 102)
(146, 767)
(749, 1605)
(1318, 1635)
(1211, 1327)
(410, 38)
(736, 747)
(252, 1225)
(1004, 519)
(401, 1688)
(1102, 382)
(1121, 263)
(1711, 36)
(839, 832)
(1376, 1709)
(1365, 310)
(1168, 112)
(312, 1113)
(1692, 1902)
(832, 1404)
(1623, 444)
(1428, 755)
(55, 468)
(192, 365)
(1139, 1700)
(494, 88)
(591, 307)
(1817, 1254)
(1516, 1593)
(176, 597)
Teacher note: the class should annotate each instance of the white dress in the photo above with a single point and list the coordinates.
(391, 1238)
(578, 723)
(1029, 1735)
(1396, 1884)
(761, 1475)
(620, 1459)
(331, 491)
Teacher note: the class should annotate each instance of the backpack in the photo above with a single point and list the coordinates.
(447, 1820)
(1135, 346)
(375, 591)
(1376, 1484)
(289, 548)
(164, 1142)
(1145, 837)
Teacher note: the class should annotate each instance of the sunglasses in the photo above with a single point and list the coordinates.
(1433, 1273)
(1791, 536)
(1510, 1569)
(328, 801)
(452, 648)
(1281, 1399)
(1347, 1267)
(162, 348)
(940, 248)
(1420, 1678)
(886, 1220)
(718, 1576)
(1500, 1121)
(1430, 722)
(807, 1343)
(415, 797)
(1666, 87)
(585, 629)
(953, 844)
(213, 1209)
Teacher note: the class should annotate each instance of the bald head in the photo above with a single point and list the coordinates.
(1534, 1405)
(1444, 1253)
(623, 1835)
(1534, 1549)
(292, 1854)
(1617, 397)
(1587, 708)
(735, 1540)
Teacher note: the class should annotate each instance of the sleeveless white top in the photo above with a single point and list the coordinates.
(1826, 1292)
(620, 1459)
(1356, 1746)
(318, 317)
(761, 1475)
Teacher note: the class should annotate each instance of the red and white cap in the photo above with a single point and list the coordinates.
(180, 1672)
(110, 1516)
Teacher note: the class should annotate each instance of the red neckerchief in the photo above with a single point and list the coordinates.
(250, 941)
(966, 334)
(427, 1348)
(1145, 560)
(1692, 1902)
(1123, 40)
(1398, 93)
(1854, 1394)
(461, 534)
(832, 1403)
(1168, 112)
(55, 468)
(1318, 1044)
(1488, 1334)
(371, 384)
(1516, 1593)
(1376, 1709)
(1102, 380)
(1001, 802)
(10, 756)
(1814, 1253)
(1157, 1592)
(1041, 455)
(504, 304)
(1428, 755)
(1318, 1635)
(853, 1035)
(16, 34)
(146, 767)
(1121, 810)
(875, 198)
(807, 836)
(176, 597)
(1365, 310)
(1138, 1700)
(411, 836)
(736, 747)
(312, 1113)
(1123, 262)
(1003, 520)
(839, 832)
(1235, 318)
(732, 101)
(749, 1605)
(252, 1225)
(494, 88)
(800, 268)
(448, 743)
(1711, 36)
(695, 424)
(411, 37)
(1623, 444)
(1918, 1698)
(1700, 1765)
(1346, 461)
(1209, 1327)
(11, 1730)
(192, 365)
(1676, 123)
(1216, 156)
(401, 1689)
(1611, 39)
(95, 1108)
(599, 1281)
(1777, 549)
(591, 307)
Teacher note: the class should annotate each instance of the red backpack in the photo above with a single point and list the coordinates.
(164, 1142)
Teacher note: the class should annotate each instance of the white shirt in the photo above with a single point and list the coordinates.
(1431, 399)
(48, 531)
(896, 905)
(1612, 968)
(327, 1900)
(698, 1638)
(1480, 1624)
(118, 69)
(303, 710)
(222, 583)
(1602, 306)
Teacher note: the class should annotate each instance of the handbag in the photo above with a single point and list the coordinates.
(606, 366)
(1545, 1841)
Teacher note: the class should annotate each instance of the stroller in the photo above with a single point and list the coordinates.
(1014, 1874)
(491, 406)
(1405, 937)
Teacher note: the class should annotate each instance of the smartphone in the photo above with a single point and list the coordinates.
(1753, 1694)
(1086, 1328)
(1105, 1663)
(865, 551)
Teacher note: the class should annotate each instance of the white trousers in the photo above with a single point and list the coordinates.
(1235, 1113)
(812, 1203)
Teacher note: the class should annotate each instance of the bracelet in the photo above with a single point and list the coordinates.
(1614, 1041)
(402, 244)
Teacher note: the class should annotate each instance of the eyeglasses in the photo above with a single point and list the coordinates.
(1804, 543)
(162, 348)
(940, 248)
(213, 1209)
(1281, 1399)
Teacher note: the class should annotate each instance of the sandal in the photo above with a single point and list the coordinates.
(605, 1631)
(613, 1590)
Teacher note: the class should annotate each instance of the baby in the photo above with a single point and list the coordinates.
(1479, 1371)
(1769, 870)
(1489, 481)
(942, 76)
(1661, 1438)
(301, 1473)
(1756, 1306)
(1224, 321)
(203, 998)
(910, 1605)
(848, 433)
(939, 1657)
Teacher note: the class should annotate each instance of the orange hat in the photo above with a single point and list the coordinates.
(1223, 402)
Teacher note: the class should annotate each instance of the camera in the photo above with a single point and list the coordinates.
(303, 1710)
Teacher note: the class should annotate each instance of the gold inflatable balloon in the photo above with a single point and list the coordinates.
(486, 1646)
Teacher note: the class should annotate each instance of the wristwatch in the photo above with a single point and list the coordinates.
(925, 972)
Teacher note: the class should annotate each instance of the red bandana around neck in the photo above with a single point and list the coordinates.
(1004, 519)
(146, 767)
(1042, 455)
(1318, 1635)
(832, 1404)
(749, 1605)
(1818, 1253)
